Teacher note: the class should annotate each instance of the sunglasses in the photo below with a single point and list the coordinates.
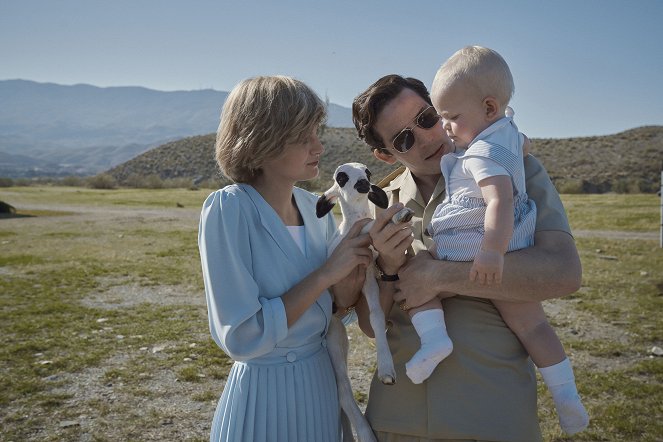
(426, 119)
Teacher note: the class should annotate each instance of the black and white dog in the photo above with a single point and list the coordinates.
(353, 190)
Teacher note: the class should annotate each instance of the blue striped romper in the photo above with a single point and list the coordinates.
(457, 225)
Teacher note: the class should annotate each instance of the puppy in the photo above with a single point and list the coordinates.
(353, 190)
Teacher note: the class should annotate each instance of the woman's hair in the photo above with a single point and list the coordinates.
(260, 116)
(482, 69)
(367, 106)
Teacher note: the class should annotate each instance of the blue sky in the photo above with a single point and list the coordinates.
(581, 67)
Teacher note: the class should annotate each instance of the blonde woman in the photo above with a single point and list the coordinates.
(265, 268)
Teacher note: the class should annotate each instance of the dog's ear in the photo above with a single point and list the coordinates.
(378, 197)
(326, 201)
(324, 205)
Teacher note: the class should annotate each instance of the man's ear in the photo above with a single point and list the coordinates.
(384, 155)
(491, 107)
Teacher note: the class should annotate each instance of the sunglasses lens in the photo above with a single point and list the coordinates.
(404, 141)
(428, 119)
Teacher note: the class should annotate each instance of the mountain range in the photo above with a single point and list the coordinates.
(55, 130)
(628, 161)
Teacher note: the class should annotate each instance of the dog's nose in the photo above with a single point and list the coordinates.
(363, 186)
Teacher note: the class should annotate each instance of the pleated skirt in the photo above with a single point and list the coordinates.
(285, 399)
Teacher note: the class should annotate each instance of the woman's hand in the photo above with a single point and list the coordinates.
(391, 240)
(351, 252)
(347, 291)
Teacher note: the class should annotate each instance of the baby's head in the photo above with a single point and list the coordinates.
(471, 91)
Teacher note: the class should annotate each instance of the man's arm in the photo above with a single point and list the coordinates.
(549, 269)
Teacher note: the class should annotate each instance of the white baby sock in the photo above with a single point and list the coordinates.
(435, 344)
(559, 378)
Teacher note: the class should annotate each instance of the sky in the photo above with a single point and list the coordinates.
(581, 67)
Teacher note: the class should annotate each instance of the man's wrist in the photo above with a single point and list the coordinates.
(385, 276)
(386, 268)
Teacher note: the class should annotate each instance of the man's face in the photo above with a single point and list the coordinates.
(429, 144)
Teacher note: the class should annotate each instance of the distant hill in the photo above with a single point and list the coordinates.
(84, 129)
(587, 164)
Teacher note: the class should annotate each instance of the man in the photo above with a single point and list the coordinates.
(486, 388)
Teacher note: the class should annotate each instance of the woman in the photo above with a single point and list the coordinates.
(265, 268)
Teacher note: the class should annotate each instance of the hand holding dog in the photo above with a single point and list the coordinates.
(391, 240)
(351, 252)
(419, 281)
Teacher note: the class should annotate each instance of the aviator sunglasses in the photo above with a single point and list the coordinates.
(426, 119)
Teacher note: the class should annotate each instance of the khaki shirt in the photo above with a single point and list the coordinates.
(486, 388)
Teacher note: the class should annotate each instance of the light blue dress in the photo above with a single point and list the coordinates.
(281, 386)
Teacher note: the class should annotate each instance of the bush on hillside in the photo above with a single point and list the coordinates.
(572, 186)
(72, 181)
(102, 181)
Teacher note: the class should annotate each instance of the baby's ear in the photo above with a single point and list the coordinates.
(378, 197)
(491, 107)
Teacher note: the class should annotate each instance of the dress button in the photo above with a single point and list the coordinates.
(291, 357)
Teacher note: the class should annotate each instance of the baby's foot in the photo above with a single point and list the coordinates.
(433, 350)
(573, 417)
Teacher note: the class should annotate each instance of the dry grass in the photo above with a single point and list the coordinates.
(105, 334)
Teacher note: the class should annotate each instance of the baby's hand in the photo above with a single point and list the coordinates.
(487, 267)
(433, 251)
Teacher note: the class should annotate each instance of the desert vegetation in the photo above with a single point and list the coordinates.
(628, 162)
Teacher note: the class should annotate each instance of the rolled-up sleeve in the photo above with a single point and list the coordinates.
(242, 322)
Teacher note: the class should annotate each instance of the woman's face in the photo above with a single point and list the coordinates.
(429, 144)
(297, 162)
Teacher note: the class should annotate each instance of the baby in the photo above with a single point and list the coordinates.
(486, 213)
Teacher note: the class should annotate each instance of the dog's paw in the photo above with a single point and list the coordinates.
(388, 379)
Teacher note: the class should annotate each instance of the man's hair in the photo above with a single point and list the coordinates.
(367, 106)
(480, 68)
(260, 116)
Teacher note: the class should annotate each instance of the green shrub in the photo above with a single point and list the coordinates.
(632, 185)
(6, 182)
(102, 181)
(570, 186)
(72, 181)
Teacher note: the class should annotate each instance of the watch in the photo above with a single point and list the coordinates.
(383, 275)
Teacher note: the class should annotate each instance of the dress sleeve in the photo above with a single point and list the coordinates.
(244, 324)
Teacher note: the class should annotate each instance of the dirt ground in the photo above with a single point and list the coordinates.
(188, 419)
